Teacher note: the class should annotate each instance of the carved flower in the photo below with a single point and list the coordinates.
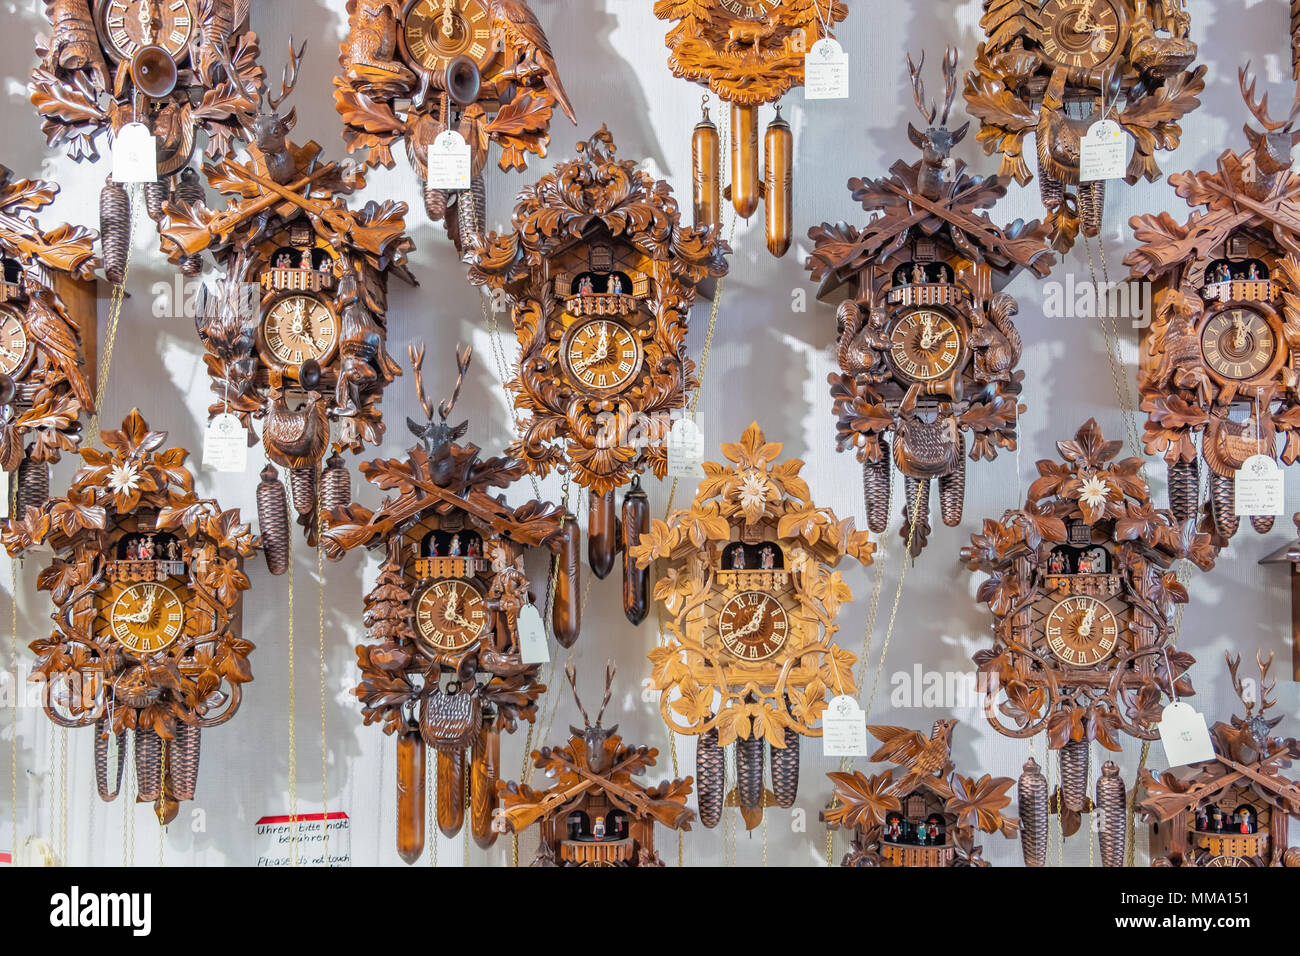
(1094, 492)
(126, 481)
(755, 492)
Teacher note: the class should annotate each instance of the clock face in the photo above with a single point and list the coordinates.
(450, 615)
(146, 617)
(602, 355)
(753, 626)
(1081, 631)
(1238, 344)
(15, 350)
(925, 345)
(1080, 33)
(297, 328)
(129, 25)
(435, 32)
(749, 9)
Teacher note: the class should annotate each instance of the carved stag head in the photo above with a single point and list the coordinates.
(1271, 147)
(438, 437)
(593, 735)
(937, 141)
(270, 130)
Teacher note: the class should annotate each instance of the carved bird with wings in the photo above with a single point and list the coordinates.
(911, 749)
(516, 26)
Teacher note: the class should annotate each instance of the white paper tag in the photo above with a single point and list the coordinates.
(826, 71)
(685, 450)
(844, 729)
(533, 648)
(1102, 152)
(135, 155)
(1259, 488)
(225, 444)
(449, 161)
(1184, 735)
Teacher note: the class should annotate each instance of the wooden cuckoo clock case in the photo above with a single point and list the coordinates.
(1052, 68)
(601, 274)
(751, 595)
(1082, 597)
(444, 666)
(180, 67)
(47, 338)
(595, 813)
(1222, 357)
(748, 54)
(413, 69)
(297, 336)
(928, 347)
(146, 581)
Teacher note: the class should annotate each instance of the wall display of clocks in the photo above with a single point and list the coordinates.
(1054, 68)
(443, 668)
(414, 69)
(180, 67)
(750, 594)
(928, 348)
(307, 355)
(146, 579)
(1082, 595)
(1222, 355)
(598, 265)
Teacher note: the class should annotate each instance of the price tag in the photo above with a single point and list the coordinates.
(1259, 488)
(826, 71)
(1184, 735)
(533, 648)
(1102, 152)
(225, 444)
(449, 161)
(685, 450)
(135, 155)
(844, 729)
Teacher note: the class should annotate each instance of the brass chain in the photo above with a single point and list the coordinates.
(118, 296)
(430, 801)
(13, 656)
(292, 696)
(124, 791)
(320, 643)
(63, 793)
(1114, 357)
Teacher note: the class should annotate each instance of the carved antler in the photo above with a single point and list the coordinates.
(1237, 686)
(949, 82)
(1266, 686)
(417, 367)
(918, 88)
(463, 356)
(571, 673)
(288, 79)
(610, 668)
(1259, 109)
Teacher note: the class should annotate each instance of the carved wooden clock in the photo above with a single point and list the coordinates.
(146, 579)
(601, 275)
(1082, 597)
(748, 53)
(930, 815)
(595, 813)
(444, 668)
(1233, 810)
(928, 347)
(297, 337)
(1053, 68)
(180, 67)
(751, 592)
(413, 69)
(47, 338)
(1222, 357)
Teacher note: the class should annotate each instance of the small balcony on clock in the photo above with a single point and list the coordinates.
(924, 284)
(451, 554)
(147, 556)
(1239, 280)
(594, 293)
(758, 566)
(298, 270)
(1086, 569)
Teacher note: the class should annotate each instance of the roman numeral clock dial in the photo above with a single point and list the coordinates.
(145, 617)
(15, 350)
(297, 328)
(1238, 344)
(435, 32)
(1080, 33)
(601, 355)
(450, 615)
(925, 345)
(753, 626)
(127, 26)
(1081, 631)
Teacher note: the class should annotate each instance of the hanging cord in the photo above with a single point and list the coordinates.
(320, 643)
(13, 656)
(430, 801)
(293, 724)
(63, 793)
(114, 315)
(1114, 356)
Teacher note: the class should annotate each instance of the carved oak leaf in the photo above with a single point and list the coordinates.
(979, 802)
(864, 801)
(753, 450)
(1153, 120)
(59, 578)
(388, 474)
(22, 533)
(520, 127)
(76, 512)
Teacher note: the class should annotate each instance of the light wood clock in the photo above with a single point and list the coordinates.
(147, 581)
(296, 337)
(919, 812)
(186, 69)
(928, 347)
(1053, 68)
(443, 668)
(1221, 358)
(47, 338)
(600, 275)
(595, 812)
(1082, 594)
(413, 69)
(750, 593)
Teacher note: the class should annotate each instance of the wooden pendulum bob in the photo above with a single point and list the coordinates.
(450, 791)
(566, 603)
(1074, 775)
(635, 522)
(114, 228)
(410, 795)
(602, 532)
(749, 186)
(706, 193)
(778, 172)
(485, 768)
(746, 182)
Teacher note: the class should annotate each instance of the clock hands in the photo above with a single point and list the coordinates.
(448, 22)
(1085, 626)
(1239, 326)
(753, 624)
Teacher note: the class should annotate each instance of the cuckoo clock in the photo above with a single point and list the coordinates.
(1053, 68)
(595, 813)
(601, 276)
(919, 812)
(748, 54)
(444, 667)
(47, 338)
(179, 67)
(1233, 810)
(928, 349)
(414, 69)
(1082, 595)
(147, 581)
(297, 337)
(1221, 360)
(751, 594)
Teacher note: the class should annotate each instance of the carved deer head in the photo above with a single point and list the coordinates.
(937, 141)
(270, 130)
(593, 735)
(437, 437)
(1271, 148)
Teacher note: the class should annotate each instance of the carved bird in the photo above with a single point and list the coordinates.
(516, 24)
(997, 340)
(296, 437)
(372, 40)
(911, 749)
(56, 338)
